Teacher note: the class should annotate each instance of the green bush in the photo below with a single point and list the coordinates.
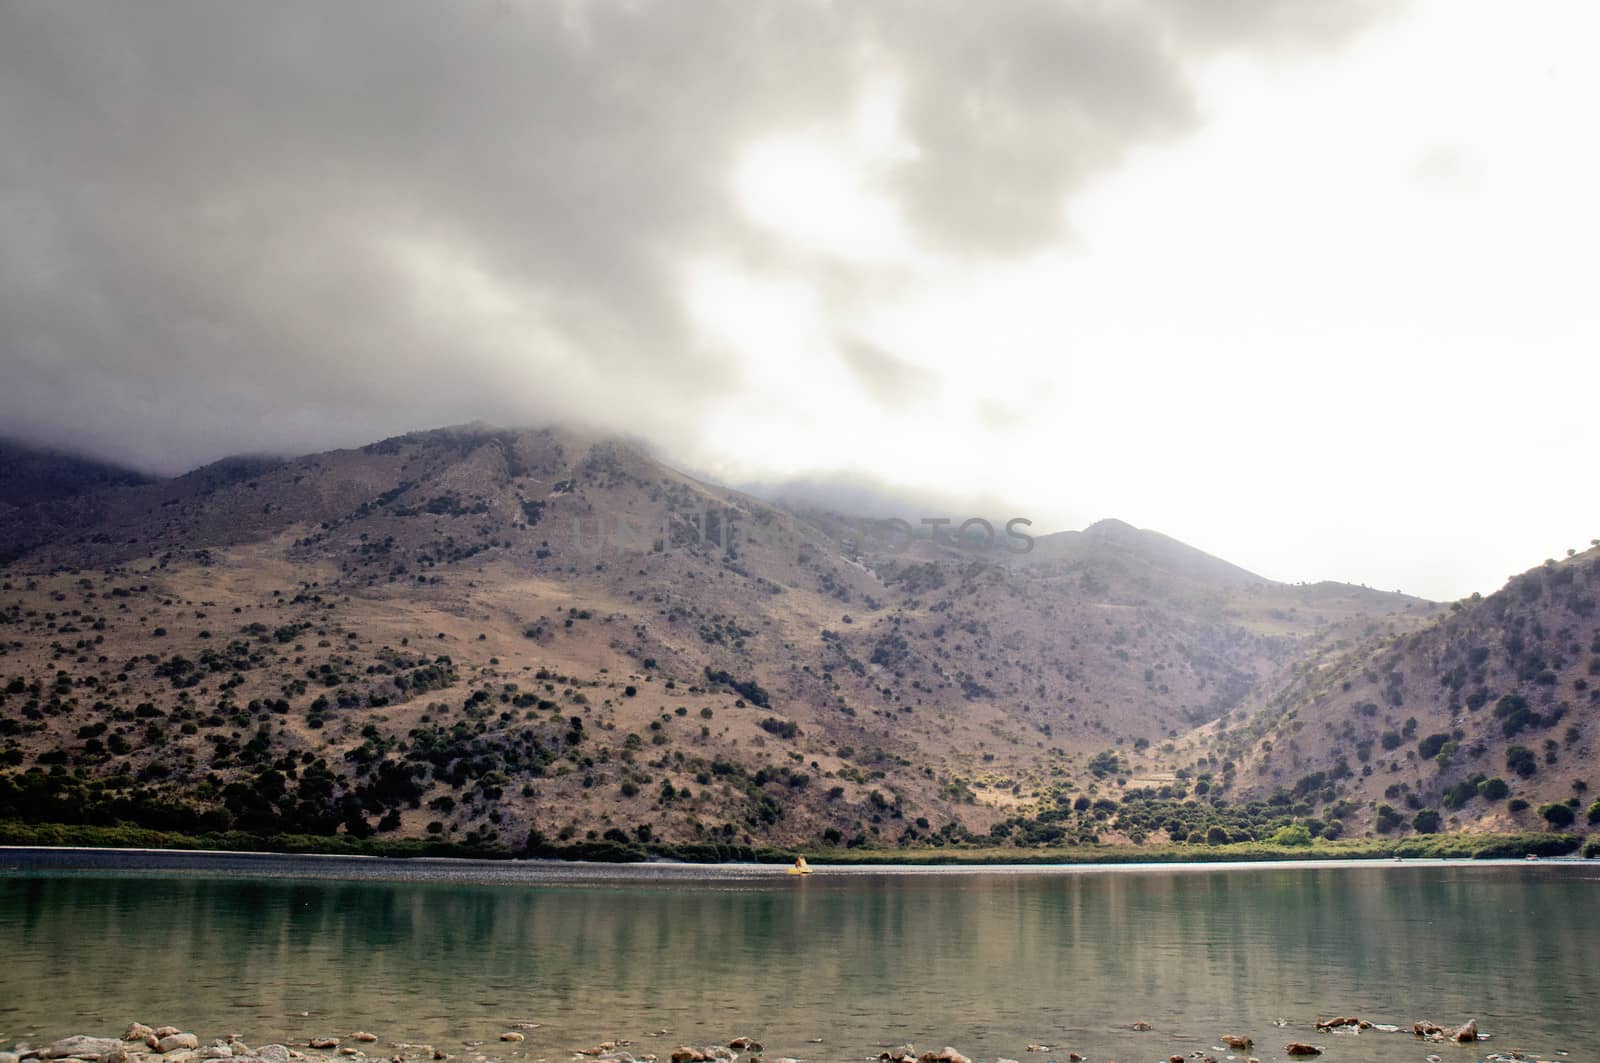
(1521, 760)
(782, 728)
(1493, 789)
(1594, 811)
(1429, 747)
(1516, 804)
(1558, 815)
(1460, 793)
(1295, 834)
(1426, 821)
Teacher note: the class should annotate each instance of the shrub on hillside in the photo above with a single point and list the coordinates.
(1493, 789)
(1460, 793)
(1558, 815)
(1426, 821)
(781, 728)
(1521, 760)
(1429, 747)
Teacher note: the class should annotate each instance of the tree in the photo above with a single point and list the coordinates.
(1426, 821)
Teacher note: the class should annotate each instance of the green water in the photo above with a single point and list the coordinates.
(988, 961)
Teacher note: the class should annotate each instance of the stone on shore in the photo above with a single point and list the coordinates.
(364, 1036)
(1300, 1048)
(136, 1031)
(512, 1035)
(324, 1042)
(165, 1031)
(1233, 1040)
(174, 1042)
(1468, 1034)
(80, 1047)
(273, 1053)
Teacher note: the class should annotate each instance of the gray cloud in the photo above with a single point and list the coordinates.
(230, 227)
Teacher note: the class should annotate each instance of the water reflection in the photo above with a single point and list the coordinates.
(987, 962)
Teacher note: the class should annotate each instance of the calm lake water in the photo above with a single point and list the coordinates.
(988, 960)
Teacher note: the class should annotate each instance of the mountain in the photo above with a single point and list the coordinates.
(30, 475)
(1486, 719)
(489, 636)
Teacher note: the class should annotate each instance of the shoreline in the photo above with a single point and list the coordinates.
(141, 1043)
(19, 861)
(17, 835)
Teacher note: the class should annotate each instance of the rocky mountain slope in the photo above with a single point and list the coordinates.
(490, 636)
(1488, 718)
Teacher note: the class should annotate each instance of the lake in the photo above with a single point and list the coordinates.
(831, 967)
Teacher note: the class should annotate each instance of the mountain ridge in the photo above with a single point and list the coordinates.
(368, 635)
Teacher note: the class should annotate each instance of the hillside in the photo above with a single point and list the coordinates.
(1486, 719)
(489, 636)
(43, 482)
(29, 475)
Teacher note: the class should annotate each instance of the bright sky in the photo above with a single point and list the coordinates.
(1346, 329)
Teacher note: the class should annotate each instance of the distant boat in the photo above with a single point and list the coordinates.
(1531, 856)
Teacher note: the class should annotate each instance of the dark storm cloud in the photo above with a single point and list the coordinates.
(280, 227)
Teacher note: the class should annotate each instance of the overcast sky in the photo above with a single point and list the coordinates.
(1308, 285)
